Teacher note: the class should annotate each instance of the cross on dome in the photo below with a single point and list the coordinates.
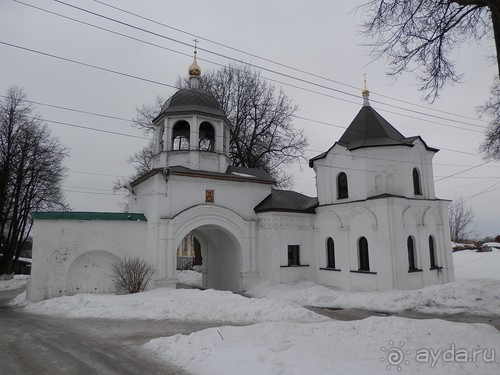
(366, 94)
(194, 68)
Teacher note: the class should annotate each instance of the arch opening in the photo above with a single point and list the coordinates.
(207, 137)
(216, 253)
(181, 136)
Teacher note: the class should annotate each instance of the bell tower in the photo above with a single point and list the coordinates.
(192, 130)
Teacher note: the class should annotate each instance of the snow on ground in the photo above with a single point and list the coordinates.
(173, 304)
(19, 281)
(370, 346)
(288, 339)
(189, 277)
(475, 297)
(470, 264)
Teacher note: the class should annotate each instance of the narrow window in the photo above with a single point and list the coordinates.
(330, 253)
(207, 137)
(432, 253)
(416, 182)
(293, 255)
(411, 253)
(161, 134)
(342, 190)
(364, 261)
(180, 136)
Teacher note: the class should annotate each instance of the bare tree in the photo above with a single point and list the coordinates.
(131, 275)
(461, 217)
(31, 173)
(262, 133)
(421, 35)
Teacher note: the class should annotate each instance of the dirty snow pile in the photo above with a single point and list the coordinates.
(173, 304)
(370, 346)
(19, 281)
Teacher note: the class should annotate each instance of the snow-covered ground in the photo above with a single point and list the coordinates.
(189, 277)
(17, 282)
(173, 304)
(370, 346)
(470, 264)
(473, 297)
(285, 338)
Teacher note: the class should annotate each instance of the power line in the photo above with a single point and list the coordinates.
(87, 65)
(269, 79)
(165, 84)
(94, 129)
(465, 170)
(276, 62)
(134, 136)
(72, 109)
(250, 64)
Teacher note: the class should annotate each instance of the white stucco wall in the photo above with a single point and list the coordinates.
(373, 171)
(71, 256)
(277, 230)
(160, 199)
(386, 223)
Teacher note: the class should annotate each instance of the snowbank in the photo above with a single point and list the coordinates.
(189, 277)
(173, 304)
(369, 346)
(475, 297)
(470, 264)
(19, 281)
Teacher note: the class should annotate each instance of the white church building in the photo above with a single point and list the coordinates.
(375, 224)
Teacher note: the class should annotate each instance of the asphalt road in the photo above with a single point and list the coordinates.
(37, 344)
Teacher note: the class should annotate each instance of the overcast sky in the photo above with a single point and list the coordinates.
(317, 37)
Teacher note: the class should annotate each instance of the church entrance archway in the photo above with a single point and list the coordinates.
(221, 258)
(223, 238)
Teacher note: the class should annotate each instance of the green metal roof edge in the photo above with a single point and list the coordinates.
(72, 215)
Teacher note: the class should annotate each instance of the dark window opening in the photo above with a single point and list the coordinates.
(207, 137)
(411, 254)
(293, 255)
(180, 136)
(432, 253)
(364, 261)
(330, 253)
(416, 182)
(342, 189)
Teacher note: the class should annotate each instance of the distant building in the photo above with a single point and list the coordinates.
(375, 225)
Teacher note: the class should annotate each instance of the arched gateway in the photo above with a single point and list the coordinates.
(224, 237)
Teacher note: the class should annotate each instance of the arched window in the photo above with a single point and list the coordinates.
(342, 190)
(180, 136)
(432, 253)
(330, 253)
(411, 253)
(364, 260)
(207, 137)
(416, 182)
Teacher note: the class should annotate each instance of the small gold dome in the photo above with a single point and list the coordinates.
(194, 68)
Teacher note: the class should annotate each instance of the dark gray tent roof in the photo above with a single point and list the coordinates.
(369, 129)
(287, 201)
(192, 100)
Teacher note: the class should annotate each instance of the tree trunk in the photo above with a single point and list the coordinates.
(495, 19)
